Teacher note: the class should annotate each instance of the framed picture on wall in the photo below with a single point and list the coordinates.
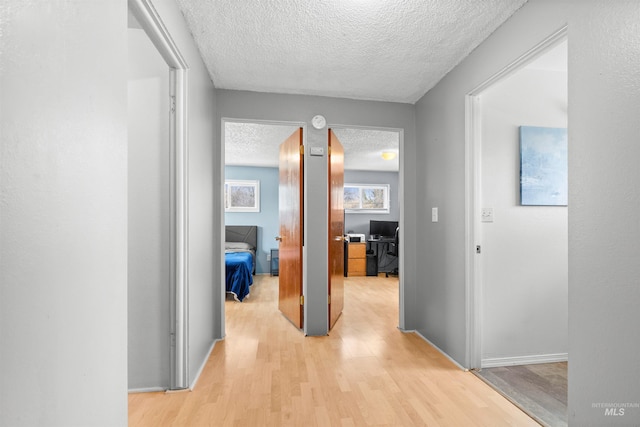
(543, 166)
(241, 196)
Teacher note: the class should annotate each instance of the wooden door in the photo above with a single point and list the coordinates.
(291, 228)
(336, 228)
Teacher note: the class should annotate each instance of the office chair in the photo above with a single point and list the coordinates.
(393, 250)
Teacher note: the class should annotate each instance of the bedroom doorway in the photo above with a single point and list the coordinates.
(251, 155)
(518, 259)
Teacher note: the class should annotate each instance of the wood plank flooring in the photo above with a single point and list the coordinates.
(540, 389)
(365, 373)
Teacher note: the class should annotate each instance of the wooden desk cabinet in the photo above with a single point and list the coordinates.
(357, 261)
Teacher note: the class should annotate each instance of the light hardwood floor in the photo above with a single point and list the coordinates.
(366, 372)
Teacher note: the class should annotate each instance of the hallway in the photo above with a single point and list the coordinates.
(366, 372)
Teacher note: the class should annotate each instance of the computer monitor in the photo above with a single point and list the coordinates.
(382, 229)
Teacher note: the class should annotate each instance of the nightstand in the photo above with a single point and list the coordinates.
(274, 265)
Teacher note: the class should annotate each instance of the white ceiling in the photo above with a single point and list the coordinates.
(385, 50)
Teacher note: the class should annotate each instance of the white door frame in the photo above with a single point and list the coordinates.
(473, 196)
(155, 29)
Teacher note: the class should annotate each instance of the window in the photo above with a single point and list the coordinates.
(241, 196)
(366, 198)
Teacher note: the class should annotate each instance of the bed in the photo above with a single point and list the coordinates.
(241, 243)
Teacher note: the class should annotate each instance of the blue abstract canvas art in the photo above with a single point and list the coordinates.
(543, 166)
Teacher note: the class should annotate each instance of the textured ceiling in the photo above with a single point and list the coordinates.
(386, 50)
(256, 144)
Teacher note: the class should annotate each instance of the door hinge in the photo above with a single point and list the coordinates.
(329, 299)
(302, 149)
(301, 299)
(329, 150)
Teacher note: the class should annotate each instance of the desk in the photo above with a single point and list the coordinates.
(386, 263)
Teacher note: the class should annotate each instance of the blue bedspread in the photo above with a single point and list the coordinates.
(239, 266)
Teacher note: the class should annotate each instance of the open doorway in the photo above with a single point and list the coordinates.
(250, 154)
(252, 200)
(372, 198)
(519, 265)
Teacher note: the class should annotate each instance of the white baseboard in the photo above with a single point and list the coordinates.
(145, 390)
(438, 348)
(524, 360)
(204, 362)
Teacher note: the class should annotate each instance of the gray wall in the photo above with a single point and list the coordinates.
(604, 98)
(359, 222)
(63, 251)
(63, 233)
(524, 250)
(604, 294)
(261, 106)
(149, 215)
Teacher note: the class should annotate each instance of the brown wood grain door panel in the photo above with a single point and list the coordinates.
(291, 228)
(336, 228)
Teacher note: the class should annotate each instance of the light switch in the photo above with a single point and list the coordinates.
(434, 214)
(486, 215)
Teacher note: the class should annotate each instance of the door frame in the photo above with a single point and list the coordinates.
(473, 195)
(157, 32)
(293, 124)
(401, 287)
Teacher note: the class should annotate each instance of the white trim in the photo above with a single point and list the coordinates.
(462, 368)
(473, 273)
(524, 360)
(146, 390)
(473, 141)
(155, 29)
(538, 50)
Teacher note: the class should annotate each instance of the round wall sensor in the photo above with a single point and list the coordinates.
(318, 122)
